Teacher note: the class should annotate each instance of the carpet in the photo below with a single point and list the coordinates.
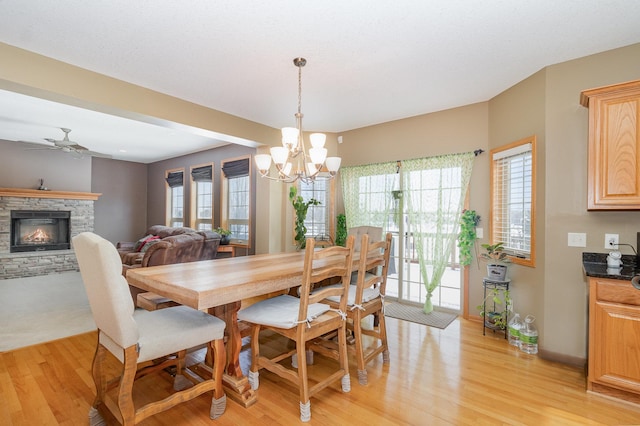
(415, 314)
(44, 308)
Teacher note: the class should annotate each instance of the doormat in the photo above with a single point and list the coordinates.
(416, 314)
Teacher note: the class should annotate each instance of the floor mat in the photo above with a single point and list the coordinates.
(416, 314)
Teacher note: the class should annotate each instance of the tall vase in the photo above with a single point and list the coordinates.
(428, 306)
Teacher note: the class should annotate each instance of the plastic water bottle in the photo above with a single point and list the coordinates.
(529, 336)
(515, 327)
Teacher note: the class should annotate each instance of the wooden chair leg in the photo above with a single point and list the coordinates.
(254, 374)
(305, 403)
(383, 339)
(219, 400)
(344, 357)
(125, 392)
(357, 333)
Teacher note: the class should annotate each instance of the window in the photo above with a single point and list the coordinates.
(513, 188)
(202, 197)
(236, 199)
(320, 219)
(175, 197)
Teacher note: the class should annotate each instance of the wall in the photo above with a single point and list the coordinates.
(517, 113)
(566, 292)
(121, 210)
(22, 167)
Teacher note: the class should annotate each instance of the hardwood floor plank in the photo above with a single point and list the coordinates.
(454, 376)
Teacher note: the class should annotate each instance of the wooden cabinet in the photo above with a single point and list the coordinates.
(614, 146)
(614, 339)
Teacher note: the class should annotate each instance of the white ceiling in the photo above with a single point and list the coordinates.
(369, 61)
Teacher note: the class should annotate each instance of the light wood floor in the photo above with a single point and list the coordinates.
(436, 377)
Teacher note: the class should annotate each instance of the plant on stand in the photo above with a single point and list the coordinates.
(496, 307)
(301, 207)
(497, 261)
(224, 235)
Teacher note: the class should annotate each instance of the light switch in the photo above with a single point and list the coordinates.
(577, 239)
(479, 232)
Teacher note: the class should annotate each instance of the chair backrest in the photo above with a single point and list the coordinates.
(323, 264)
(374, 233)
(373, 265)
(107, 290)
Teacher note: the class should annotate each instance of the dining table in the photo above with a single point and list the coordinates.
(219, 286)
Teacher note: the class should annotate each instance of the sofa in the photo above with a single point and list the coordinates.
(164, 245)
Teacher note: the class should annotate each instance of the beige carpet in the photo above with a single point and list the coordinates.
(415, 314)
(41, 309)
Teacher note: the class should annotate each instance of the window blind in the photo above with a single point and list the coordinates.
(175, 179)
(236, 168)
(202, 174)
(512, 200)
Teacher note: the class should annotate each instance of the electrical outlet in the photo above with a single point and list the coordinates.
(611, 241)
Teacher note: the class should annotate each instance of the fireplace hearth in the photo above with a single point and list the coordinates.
(39, 230)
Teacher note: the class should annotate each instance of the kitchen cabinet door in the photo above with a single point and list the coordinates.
(614, 146)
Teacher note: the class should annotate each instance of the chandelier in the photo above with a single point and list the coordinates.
(292, 160)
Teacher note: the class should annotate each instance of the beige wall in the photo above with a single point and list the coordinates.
(566, 295)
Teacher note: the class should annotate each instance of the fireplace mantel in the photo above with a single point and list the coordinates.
(36, 193)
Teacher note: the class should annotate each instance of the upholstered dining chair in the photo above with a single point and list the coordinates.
(374, 233)
(144, 342)
(302, 320)
(367, 298)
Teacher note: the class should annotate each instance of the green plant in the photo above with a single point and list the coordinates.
(223, 232)
(495, 253)
(341, 230)
(301, 207)
(467, 236)
(496, 297)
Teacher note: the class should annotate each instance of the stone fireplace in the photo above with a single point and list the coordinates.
(36, 228)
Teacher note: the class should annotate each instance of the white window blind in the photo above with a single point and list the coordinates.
(512, 199)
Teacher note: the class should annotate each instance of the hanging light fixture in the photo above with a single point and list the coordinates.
(292, 161)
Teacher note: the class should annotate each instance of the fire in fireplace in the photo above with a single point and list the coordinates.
(36, 230)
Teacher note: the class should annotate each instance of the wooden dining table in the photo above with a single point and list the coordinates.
(220, 286)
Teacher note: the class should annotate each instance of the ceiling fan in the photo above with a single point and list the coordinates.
(75, 149)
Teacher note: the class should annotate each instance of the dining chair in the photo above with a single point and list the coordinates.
(367, 298)
(304, 319)
(374, 233)
(143, 341)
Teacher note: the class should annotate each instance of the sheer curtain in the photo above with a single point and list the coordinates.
(367, 192)
(434, 191)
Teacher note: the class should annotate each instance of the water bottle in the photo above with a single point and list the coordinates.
(515, 327)
(529, 336)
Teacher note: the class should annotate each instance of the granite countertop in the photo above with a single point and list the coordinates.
(595, 265)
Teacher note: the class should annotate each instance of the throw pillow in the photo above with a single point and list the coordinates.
(149, 243)
(142, 241)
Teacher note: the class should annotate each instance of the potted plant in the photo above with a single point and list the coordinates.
(224, 235)
(497, 261)
(300, 206)
(341, 230)
(467, 236)
(495, 308)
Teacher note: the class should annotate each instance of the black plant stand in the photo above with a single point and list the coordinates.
(488, 283)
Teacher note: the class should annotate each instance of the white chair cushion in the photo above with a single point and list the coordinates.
(367, 295)
(281, 311)
(169, 330)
